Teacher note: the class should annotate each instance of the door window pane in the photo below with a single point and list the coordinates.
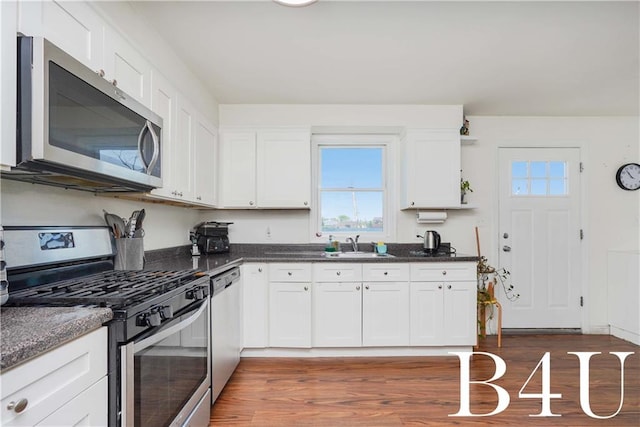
(538, 178)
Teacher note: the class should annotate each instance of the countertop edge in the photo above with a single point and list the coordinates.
(24, 335)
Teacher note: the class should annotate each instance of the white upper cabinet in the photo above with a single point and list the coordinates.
(163, 103)
(182, 153)
(266, 169)
(284, 169)
(72, 26)
(205, 162)
(239, 169)
(430, 169)
(8, 83)
(126, 68)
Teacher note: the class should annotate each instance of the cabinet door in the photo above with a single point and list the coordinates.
(385, 314)
(284, 169)
(289, 314)
(205, 163)
(182, 153)
(89, 408)
(427, 313)
(8, 82)
(239, 169)
(337, 311)
(126, 67)
(431, 169)
(163, 103)
(255, 300)
(72, 26)
(54, 378)
(460, 314)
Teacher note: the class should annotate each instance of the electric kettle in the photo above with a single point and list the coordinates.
(431, 241)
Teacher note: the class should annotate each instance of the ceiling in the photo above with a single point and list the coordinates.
(496, 58)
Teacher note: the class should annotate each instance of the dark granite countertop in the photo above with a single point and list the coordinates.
(26, 332)
(180, 258)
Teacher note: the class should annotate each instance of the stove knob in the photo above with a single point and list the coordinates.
(196, 294)
(154, 319)
(166, 312)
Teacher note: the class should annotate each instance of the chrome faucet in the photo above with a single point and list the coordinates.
(354, 243)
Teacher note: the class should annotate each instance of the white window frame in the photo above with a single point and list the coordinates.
(388, 143)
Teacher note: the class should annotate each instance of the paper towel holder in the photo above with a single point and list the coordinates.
(431, 217)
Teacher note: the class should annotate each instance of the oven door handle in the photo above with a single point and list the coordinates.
(159, 336)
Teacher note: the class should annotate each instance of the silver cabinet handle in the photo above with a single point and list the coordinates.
(439, 286)
(337, 273)
(306, 288)
(114, 82)
(386, 273)
(357, 288)
(306, 203)
(251, 203)
(100, 72)
(444, 273)
(259, 270)
(506, 248)
(367, 287)
(198, 198)
(289, 273)
(19, 406)
(448, 286)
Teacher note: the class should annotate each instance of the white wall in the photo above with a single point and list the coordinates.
(30, 204)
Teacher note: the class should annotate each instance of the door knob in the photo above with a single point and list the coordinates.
(506, 248)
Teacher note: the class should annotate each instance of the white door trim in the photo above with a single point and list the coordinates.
(585, 325)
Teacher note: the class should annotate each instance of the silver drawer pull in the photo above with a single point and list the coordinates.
(338, 273)
(444, 273)
(357, 288)
(386, 273)
(18, 407)
(306, 288)
(289, 273)
(367, 287)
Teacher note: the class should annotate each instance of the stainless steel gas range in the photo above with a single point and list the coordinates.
(159, 338)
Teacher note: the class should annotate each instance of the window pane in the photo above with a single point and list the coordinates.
(352, 210)
(538, 170)
(557, 169)
(538, 187)
(519, 169)
(519, 187)
(351, 167)
(557, 187)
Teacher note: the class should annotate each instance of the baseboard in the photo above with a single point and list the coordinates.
(542, 331)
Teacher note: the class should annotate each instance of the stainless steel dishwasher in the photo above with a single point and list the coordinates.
(226, 335)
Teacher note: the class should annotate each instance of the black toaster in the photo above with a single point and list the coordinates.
(212, 237)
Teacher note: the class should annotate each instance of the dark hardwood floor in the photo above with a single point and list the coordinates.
(425, 390)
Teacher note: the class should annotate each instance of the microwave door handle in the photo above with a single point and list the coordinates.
(156, 147)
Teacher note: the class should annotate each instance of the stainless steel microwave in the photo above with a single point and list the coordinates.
(77, 130)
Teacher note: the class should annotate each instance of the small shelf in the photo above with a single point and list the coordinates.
(467, 139)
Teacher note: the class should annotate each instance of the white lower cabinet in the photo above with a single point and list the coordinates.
(255, 305)
(385, 314)
(350, 305)
(61, 387)
(337, 319)
(443, 311)
(290, 305)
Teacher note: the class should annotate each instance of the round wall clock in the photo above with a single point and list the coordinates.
(628, 176)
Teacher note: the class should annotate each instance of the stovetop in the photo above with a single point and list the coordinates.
(117, 290)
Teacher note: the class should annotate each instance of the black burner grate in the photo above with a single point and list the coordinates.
(114, 289)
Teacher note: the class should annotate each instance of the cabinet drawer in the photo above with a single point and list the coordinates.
(449, 271)
(290, 272)
(338, 272)
(51, 380)
(386, 272)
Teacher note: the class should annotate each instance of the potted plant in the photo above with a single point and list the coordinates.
(488, 277)
(464, 187)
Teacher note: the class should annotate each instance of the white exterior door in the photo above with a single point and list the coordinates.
(540, 236)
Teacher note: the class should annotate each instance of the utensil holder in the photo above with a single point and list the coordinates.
(130, 254)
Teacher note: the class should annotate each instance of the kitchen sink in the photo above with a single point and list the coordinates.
(356, 255)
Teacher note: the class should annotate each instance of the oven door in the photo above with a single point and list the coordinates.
(167, 374)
